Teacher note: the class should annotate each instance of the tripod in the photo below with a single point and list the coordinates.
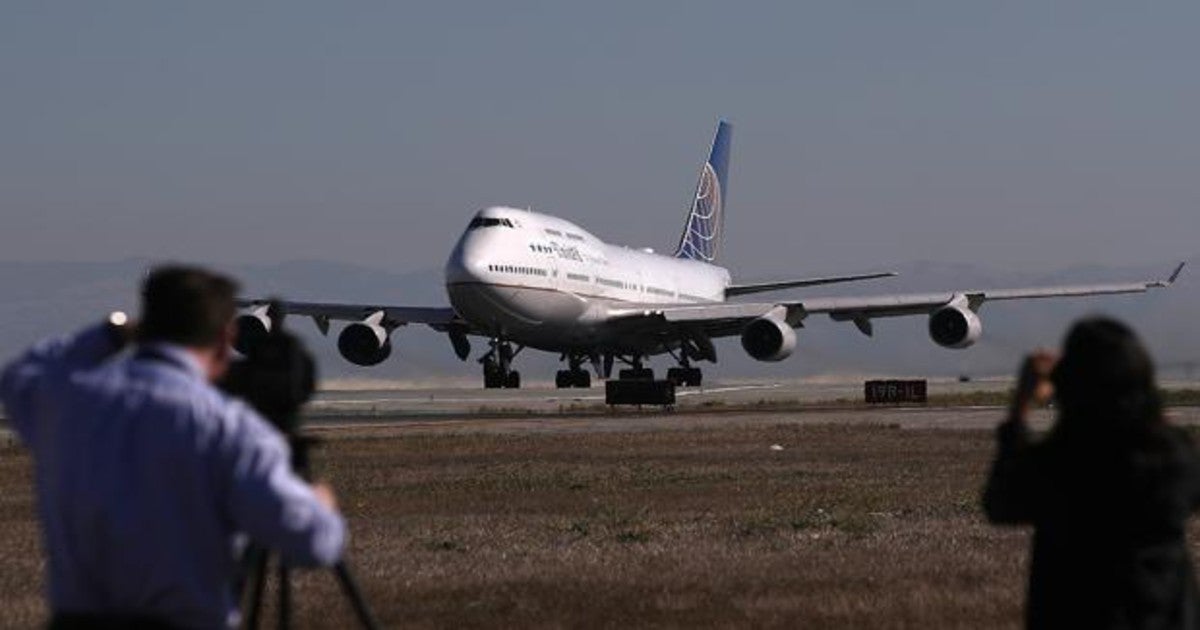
(257, 558)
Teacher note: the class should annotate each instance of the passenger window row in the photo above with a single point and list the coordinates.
(616, 284)
(526, 271)
(573, 237)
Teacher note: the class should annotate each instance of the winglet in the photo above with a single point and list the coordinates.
(1171, 280)
(1175, 274)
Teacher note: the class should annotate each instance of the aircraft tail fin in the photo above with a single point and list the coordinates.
(704, 230)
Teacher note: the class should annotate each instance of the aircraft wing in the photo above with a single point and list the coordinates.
(745, 289)
(727, 318)
(439, 318)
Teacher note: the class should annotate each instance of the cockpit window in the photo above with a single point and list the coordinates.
(482, 222)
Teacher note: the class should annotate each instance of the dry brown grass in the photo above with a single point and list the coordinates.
(845, 527)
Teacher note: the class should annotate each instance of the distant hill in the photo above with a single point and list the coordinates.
(39, 299)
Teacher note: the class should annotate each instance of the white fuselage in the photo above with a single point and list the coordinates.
(544, 282)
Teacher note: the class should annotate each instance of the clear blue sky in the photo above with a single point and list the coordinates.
(1019, 134)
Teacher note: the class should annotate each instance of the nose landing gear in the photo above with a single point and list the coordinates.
(497, 366)
(636, 372)
(637, 386)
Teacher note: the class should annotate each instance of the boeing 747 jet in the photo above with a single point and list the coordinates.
(521, 279)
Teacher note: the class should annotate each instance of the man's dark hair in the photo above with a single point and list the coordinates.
(188, 306)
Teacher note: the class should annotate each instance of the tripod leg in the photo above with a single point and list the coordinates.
(255, 582)
(350, 588)
(285, 597)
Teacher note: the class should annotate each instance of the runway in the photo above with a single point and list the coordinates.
(751, 404)
(543, 398)
(543, 409)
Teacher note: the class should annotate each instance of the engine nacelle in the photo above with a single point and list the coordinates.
(769, 339)
(365, 344)
(252, 328)
(955, 327)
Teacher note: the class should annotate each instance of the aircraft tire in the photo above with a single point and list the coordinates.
(679, 376)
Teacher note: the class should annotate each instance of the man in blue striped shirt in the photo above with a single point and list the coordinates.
(148, 477)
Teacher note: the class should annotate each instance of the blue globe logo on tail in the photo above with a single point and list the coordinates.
(701, 239)
(703, 230)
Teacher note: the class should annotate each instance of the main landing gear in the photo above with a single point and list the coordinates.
(499, 374)
(685, 375)
(574, 377)
(497, 366)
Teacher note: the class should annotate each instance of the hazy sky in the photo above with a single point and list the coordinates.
(1020, 134)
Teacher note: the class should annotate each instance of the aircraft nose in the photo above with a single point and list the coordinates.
(466, 264)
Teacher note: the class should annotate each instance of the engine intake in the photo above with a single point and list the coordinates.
(252, 328)
(365, 344)
(769, 339)
(955, 327)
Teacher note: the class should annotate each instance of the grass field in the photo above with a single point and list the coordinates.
(846, 526)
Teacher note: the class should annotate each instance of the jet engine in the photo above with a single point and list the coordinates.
(365, 343)
(252, 327)
(955, 327)
(769, 339)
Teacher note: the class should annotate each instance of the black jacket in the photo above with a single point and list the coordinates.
(1109, 514)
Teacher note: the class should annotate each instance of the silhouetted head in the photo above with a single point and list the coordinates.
(1105, 379)
(187, 306)
(190, 307)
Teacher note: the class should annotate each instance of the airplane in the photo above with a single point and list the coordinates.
(522, 279)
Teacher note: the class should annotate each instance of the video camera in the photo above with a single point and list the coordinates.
(276, 376)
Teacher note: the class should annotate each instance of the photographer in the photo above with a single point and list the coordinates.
(1108, 490)
(147, 475)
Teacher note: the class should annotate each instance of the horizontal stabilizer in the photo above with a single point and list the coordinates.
(745, 289)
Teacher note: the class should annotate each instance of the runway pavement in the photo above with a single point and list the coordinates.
(542, 409)
(544, 399)
(546, 409)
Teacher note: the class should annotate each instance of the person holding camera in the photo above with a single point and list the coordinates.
(149, 479)
(1108, 490)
